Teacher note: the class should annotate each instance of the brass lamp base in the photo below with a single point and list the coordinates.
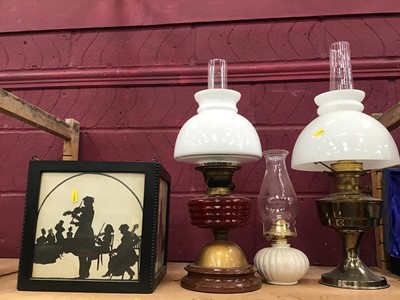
(221, 268)
(350, 212)
(354, 276)
(221, 254)
(352, 273)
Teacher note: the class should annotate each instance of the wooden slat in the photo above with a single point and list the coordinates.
(391, 118)
(30, 114)
(71, 146)
(382, 259)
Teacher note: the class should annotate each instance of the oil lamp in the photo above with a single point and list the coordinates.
(278, 205)
(346, 142)
(218, 140)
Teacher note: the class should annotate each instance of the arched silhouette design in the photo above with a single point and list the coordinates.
(93, 173)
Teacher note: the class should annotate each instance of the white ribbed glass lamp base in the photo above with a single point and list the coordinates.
(281, 264)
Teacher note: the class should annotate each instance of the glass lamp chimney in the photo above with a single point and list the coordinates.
(277, 200)
(340, 66)
(217, 74)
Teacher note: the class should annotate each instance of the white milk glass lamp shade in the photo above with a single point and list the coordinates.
(217, 133)
(343, 132)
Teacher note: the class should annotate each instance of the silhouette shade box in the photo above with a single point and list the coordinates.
(95, 227)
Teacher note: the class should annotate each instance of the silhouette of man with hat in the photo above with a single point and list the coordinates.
(84, 240)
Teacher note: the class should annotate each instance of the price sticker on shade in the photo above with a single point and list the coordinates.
(74, 196)
(318, 133)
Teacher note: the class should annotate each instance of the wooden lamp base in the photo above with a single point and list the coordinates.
(220, 280)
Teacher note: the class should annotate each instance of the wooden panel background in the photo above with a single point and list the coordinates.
(131, 88)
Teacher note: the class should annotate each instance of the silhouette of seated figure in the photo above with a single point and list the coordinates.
(105, 239)
(51, 239)
(124, 256)
(104, 242)
(46, 250)
(41, 240)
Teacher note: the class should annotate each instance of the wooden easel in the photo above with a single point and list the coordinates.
(391, 120)
(68, 130)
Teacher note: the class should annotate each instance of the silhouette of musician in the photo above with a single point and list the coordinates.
(124, 256)
(84, 243)
(135, 237)
(104, 240)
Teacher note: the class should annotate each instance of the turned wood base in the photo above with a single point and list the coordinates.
(220, 280)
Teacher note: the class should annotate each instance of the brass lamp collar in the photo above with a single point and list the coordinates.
(343, 166)
(347, 166)
(279, 240)
(347, 175)
(218, 177)
(279, 232)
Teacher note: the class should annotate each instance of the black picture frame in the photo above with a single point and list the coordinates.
(69, 207)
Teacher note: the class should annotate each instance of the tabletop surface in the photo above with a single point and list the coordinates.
(308, 288)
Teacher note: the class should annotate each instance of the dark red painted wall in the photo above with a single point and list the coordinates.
(131, 87)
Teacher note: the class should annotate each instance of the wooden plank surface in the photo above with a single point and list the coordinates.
(169, 288)
(8, 266)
